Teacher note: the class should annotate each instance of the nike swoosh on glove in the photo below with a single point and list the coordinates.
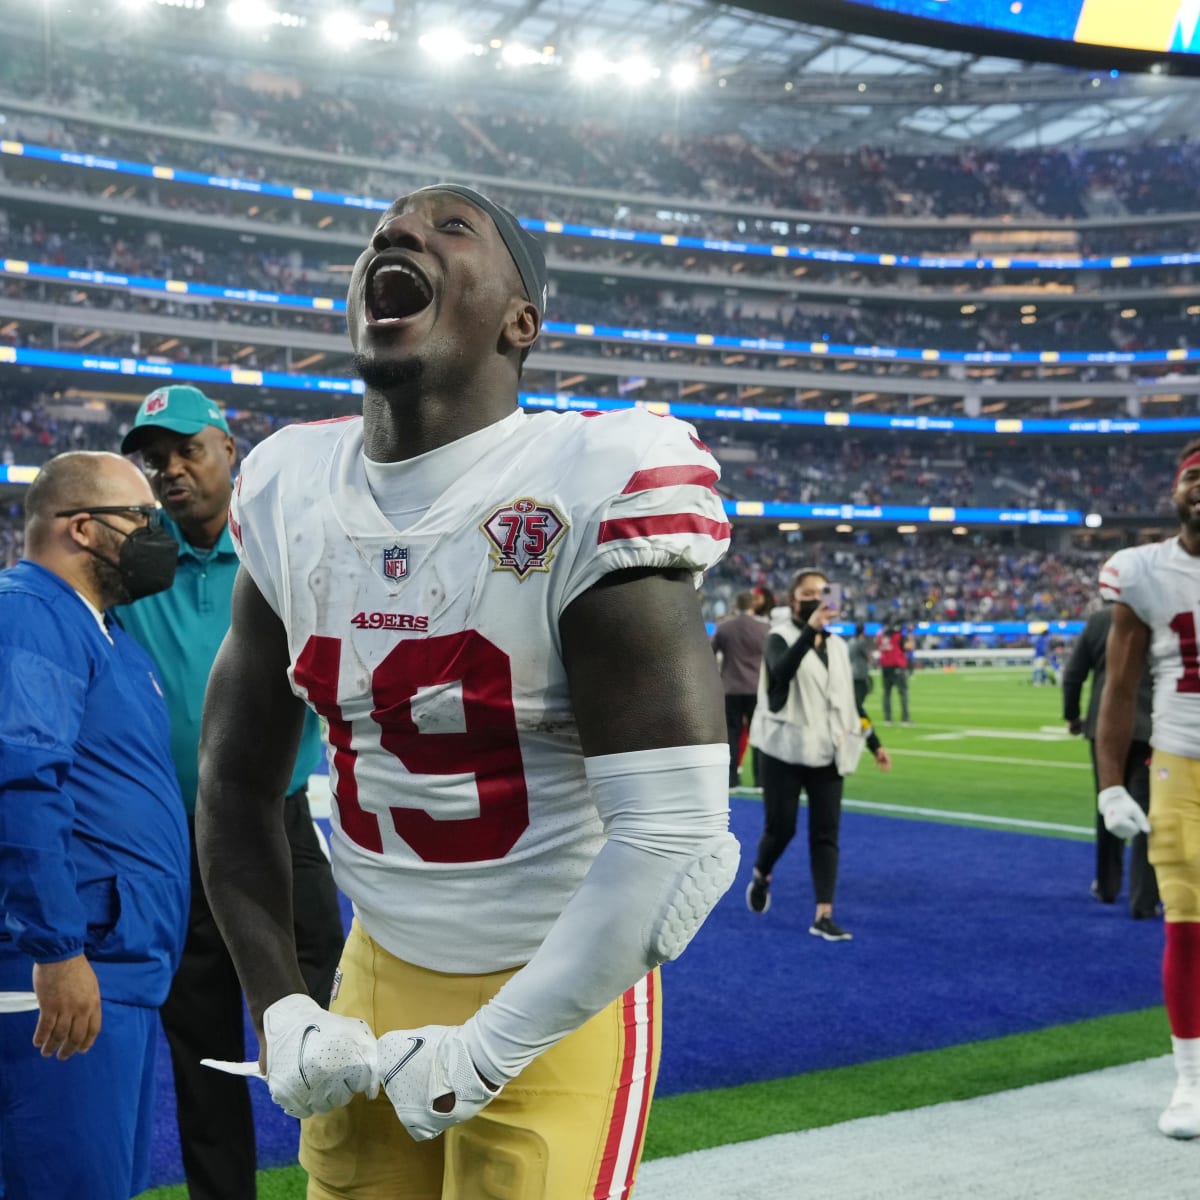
(1123, 816)
(419, 1065)
(317, 1060)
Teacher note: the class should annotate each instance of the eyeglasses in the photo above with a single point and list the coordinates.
(152, 512)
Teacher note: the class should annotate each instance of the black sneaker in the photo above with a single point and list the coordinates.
(827, 928)
(758, 894)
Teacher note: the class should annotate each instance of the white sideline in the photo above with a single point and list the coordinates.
(992, 758)
(947, 814)
(1089, 1137)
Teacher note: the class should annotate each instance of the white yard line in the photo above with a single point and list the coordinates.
(966, 817)
(1013, 735)
(991, 758)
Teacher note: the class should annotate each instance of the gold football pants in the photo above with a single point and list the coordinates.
(569, 1127)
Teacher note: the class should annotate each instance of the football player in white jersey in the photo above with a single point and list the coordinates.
(496, 614)
(1155, 592)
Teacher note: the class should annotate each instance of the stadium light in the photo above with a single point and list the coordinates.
(844, 528)
(252, 13)
(590, 66)
(1093, 520)
(447, 45)
(959, 530)
(636, 70)
(683, 76)
(340, 28)
(906, 529)
(516, 55)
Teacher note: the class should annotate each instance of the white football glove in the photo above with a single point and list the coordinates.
(317, 1060)
(1123, 816)
(419, 1065)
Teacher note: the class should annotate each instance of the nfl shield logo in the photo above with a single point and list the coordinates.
(395, 562)
(156, 403)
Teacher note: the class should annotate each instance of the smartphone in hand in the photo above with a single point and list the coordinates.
(831, 596)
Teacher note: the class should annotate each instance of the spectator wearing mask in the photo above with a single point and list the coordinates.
(93, 845)
(811, 731)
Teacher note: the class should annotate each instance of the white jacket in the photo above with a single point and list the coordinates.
(819, 724)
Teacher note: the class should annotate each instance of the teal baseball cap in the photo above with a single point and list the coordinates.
(179, 408)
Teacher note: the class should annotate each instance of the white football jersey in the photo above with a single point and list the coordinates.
(1161, 583)
(462, 821)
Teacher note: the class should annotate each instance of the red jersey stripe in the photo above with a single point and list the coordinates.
(644, 527)
(661, 477)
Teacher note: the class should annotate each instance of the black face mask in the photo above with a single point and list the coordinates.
(146, 562)
(807, 608)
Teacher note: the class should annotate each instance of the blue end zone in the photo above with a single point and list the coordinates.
(960, 935)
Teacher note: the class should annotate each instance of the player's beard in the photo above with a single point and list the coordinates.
(1189, 517)
(402, 375)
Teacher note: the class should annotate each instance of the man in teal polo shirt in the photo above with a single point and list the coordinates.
(188, 455)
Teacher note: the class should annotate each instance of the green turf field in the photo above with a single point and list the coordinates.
(983, 743)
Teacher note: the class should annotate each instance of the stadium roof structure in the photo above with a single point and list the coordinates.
(765, 75)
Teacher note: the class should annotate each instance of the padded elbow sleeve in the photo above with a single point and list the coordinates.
(668, 860)
(691, 895)
(674, 804)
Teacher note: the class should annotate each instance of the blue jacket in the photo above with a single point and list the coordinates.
(94, 850)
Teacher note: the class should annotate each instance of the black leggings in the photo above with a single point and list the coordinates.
(782, 784)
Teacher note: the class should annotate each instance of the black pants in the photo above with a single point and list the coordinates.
(739, 709)
(203, 1016)
(1110, 850)
(862, 689)
(782, 784)
(895, 677)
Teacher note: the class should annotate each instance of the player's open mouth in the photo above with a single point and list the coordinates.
(395, 291)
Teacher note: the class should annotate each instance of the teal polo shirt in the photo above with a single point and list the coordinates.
(182, 630)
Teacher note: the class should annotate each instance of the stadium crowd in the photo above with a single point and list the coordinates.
(930, 578)
(923, 470)
(803, 467)
(374, 120)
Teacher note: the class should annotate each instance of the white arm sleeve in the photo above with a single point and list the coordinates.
(669, 857)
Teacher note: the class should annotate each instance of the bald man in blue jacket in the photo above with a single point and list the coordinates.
(94, 872)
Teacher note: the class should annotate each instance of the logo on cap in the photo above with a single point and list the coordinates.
(155, 403)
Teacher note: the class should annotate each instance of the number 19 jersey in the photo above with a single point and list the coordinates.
(462, 820)
(1161, 583)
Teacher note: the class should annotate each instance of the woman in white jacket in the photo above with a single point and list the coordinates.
(811, 732)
